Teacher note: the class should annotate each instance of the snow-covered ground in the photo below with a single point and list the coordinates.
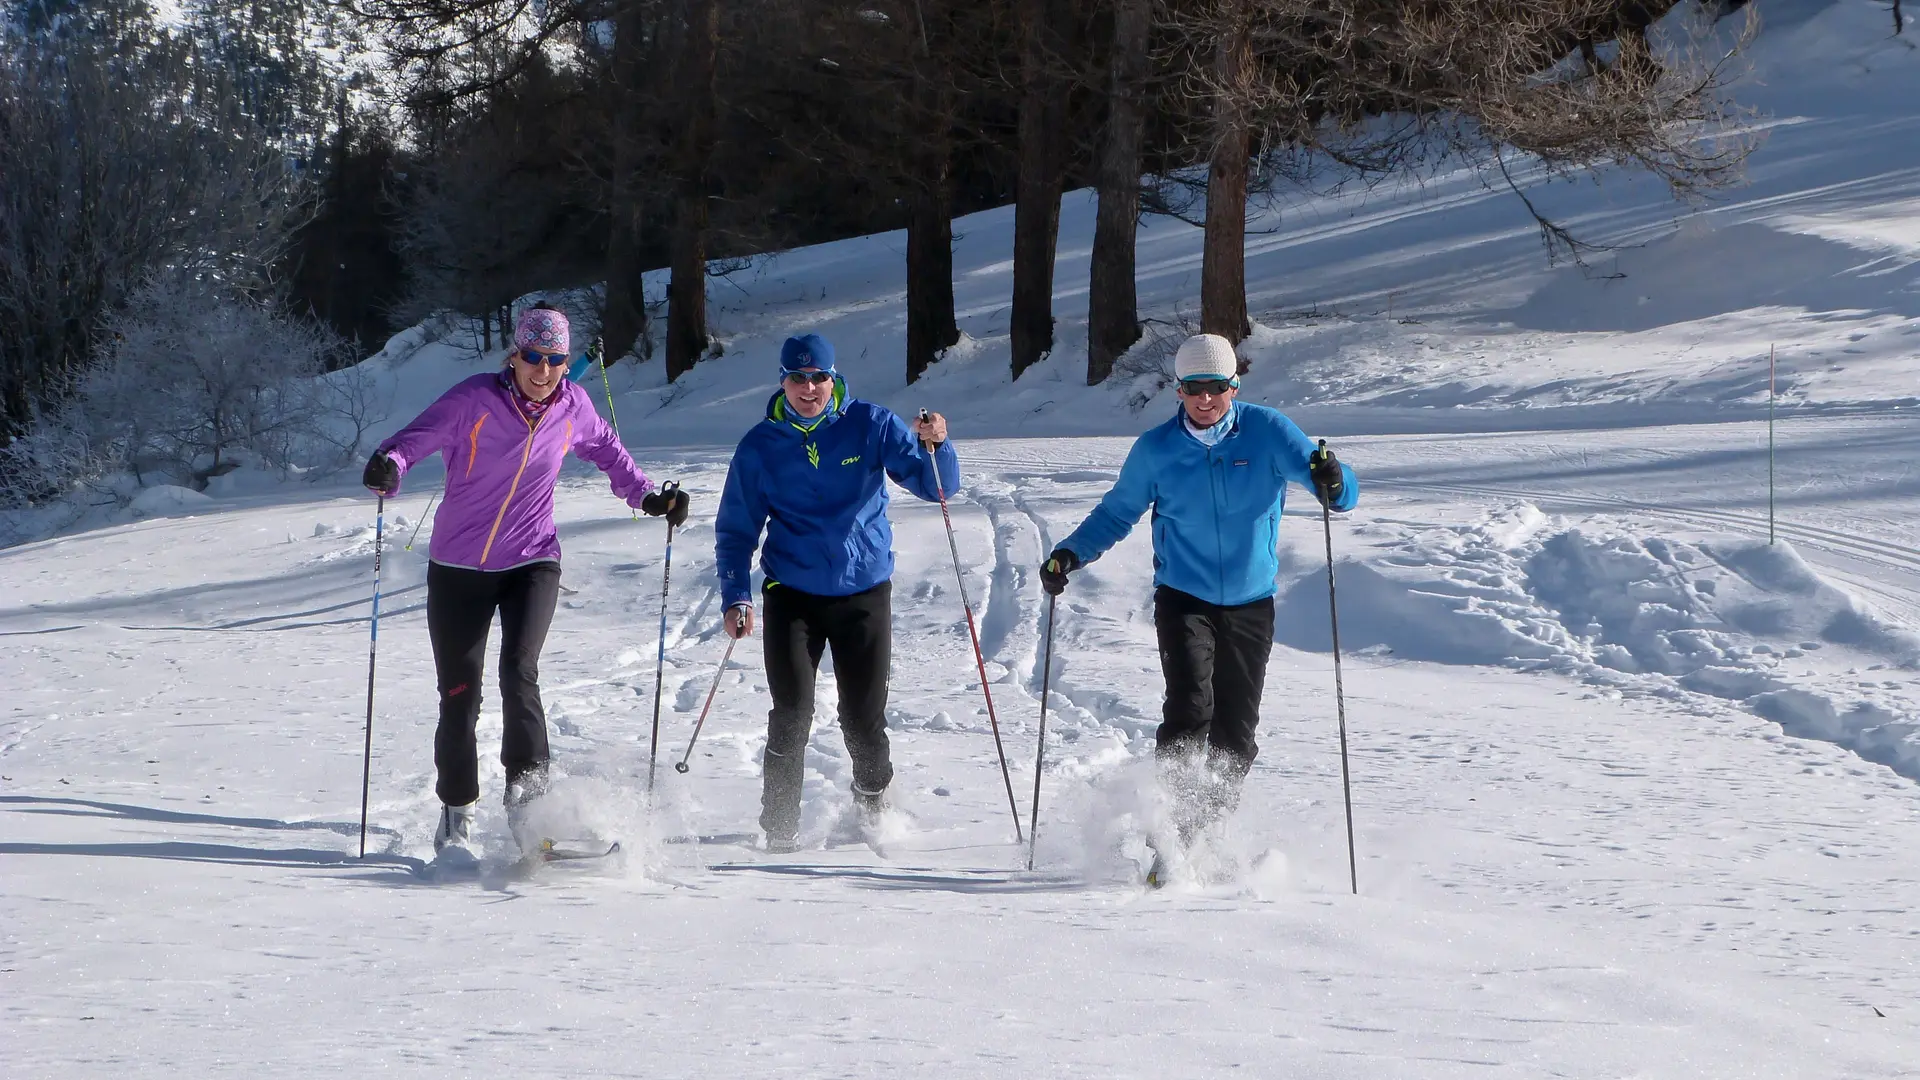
(1635, 791)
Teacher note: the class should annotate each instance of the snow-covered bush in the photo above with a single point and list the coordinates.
(192, 382)
(54, 457)
(1147, 368)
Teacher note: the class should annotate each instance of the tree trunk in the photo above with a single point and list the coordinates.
(624, 323)
(1223, 264)
(1036, 215)
(687, 292)
(687, 288)
(932, 326)
(1113, 316)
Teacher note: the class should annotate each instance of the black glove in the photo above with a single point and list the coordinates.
(382, 476)
(668, 500)
(595, 350)
(1329, 480)
(1053, 575)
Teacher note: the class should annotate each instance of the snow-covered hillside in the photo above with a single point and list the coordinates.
(1389, 309)
(1635, 790)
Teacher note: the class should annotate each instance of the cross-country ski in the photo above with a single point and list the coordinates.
(575, 851)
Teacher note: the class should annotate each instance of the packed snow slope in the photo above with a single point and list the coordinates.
(1635, 791)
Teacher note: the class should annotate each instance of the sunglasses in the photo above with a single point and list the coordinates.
(1200, 387)
(535, 358)
(815, 377)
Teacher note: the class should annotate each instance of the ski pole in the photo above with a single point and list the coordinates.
(681, 765)
(660, 665)
(607, 385)
(422, 521)
(1040, 755)
(1339, 693)
(973, 633)
(373, 645)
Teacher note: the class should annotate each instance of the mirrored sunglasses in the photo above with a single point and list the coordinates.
(816, 377)
(535, 357)
(1199, 387)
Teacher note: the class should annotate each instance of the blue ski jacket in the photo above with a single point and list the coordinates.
(1216, 509)
(820, 494)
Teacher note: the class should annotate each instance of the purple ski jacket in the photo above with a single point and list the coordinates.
(501, 466)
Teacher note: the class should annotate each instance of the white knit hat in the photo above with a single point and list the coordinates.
(1206, 356)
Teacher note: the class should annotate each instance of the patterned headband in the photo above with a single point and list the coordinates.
(543, 330)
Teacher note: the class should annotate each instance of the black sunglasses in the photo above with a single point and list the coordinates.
(1198, 387)
(809, 376)
(536, 357)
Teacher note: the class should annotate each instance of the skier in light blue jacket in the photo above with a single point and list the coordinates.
(1215, 477)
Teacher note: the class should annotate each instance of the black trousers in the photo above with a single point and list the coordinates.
(798, 627)
(1214, 659)
(460, 607)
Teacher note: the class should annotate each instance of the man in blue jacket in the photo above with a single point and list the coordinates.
(1215, 477)
(813, 475)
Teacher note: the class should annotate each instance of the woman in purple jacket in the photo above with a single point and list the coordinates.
(503, 436)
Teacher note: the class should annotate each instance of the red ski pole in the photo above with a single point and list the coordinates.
(973, 633)
(681, 765)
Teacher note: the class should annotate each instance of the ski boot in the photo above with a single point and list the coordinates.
(455, 828)
(1169, 859)
(869, 805)
(1160, 874)
(870, 811)
(522, 790)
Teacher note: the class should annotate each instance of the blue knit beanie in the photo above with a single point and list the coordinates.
(805, 351)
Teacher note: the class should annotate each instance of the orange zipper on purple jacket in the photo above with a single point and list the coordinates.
(525, 454)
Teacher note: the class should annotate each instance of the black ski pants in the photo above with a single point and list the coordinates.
(460, 608)
(798, 627)
(1214, 659)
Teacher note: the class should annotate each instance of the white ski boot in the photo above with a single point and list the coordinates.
(519, 797)
(455, 828)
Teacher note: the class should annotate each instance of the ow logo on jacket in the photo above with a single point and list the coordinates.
(826, 529)
(1216, 509)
